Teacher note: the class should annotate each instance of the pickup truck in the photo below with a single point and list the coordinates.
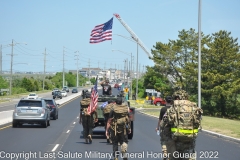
(101, 120)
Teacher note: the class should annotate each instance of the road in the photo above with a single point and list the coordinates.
(64, 137)
(5, 106)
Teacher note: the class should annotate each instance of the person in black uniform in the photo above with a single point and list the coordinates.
(167, 143)
(107, 89)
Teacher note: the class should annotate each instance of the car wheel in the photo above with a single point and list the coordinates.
(158, 104)
(14, 124)
(54, 116)
(60, 97)
(44, 124)
(57, 116)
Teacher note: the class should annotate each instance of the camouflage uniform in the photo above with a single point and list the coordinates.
(119, 135)
(184, 148)
(88, 125)
(87, 120)
(106, 116)
(167, 143)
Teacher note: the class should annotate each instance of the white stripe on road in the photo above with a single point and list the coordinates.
(55, 147)
(68, 131)
(74, 122)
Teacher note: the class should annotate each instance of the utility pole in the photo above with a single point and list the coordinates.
(11, 74)
(63, 69)
(10, 92)
(44, 68)
(137, 73)
(110, 72)
(199, 53)
(0, 59)
(124, 72)
(115, 71)
(77, 55)
(89, 70)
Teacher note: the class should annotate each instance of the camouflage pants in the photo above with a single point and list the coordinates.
(168, 147)
(123, 140)
(185, 151)
(87, 122)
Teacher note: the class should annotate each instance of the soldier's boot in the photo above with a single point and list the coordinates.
(115, 159)
(108, 139)
(90, 138)
(125, 158)
(86, 141)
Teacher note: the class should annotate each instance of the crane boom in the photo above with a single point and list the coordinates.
(134, 36)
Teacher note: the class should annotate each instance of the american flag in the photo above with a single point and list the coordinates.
(94, 99)
(102, 32)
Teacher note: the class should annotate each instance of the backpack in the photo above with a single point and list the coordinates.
(120, 118)
(184, 118)
(84, 105)
(107, 109)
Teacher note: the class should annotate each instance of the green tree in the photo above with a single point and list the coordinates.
(3, 83)
(154, 79)
(220, 77)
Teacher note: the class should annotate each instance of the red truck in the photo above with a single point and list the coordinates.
(158, 101)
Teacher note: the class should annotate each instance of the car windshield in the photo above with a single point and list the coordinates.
(50, 102)
(63, 92)
(23, 103)
(32, 94)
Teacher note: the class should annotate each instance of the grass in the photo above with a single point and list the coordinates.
(220, 125)
(140, 105)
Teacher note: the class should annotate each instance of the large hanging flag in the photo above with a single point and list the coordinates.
(94, 98)
(102, 32)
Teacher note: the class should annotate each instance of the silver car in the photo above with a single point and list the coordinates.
(31, 111)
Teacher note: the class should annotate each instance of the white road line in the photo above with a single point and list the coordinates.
(68, 131)
(55, 147)
(77, 117)
(74, 122)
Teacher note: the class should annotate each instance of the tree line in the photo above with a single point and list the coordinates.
(31, 84)
(176, 66)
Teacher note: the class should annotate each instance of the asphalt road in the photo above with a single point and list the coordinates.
(64, 137)
(5, 106)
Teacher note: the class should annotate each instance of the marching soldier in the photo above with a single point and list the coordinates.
(86, 119)
(119, 121)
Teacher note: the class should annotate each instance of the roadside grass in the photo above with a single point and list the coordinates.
(219, 125)
(142, 105)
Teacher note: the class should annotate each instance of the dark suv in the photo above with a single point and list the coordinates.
(53, 106)
(57, 94)
(31, 111)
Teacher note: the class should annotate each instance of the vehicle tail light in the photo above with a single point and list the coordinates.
(42, 111)
(17, 110)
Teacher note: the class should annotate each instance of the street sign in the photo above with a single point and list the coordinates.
(4, 90)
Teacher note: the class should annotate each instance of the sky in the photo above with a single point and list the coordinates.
(63, 27)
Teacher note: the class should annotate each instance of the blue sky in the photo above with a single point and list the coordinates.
(57, 24)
